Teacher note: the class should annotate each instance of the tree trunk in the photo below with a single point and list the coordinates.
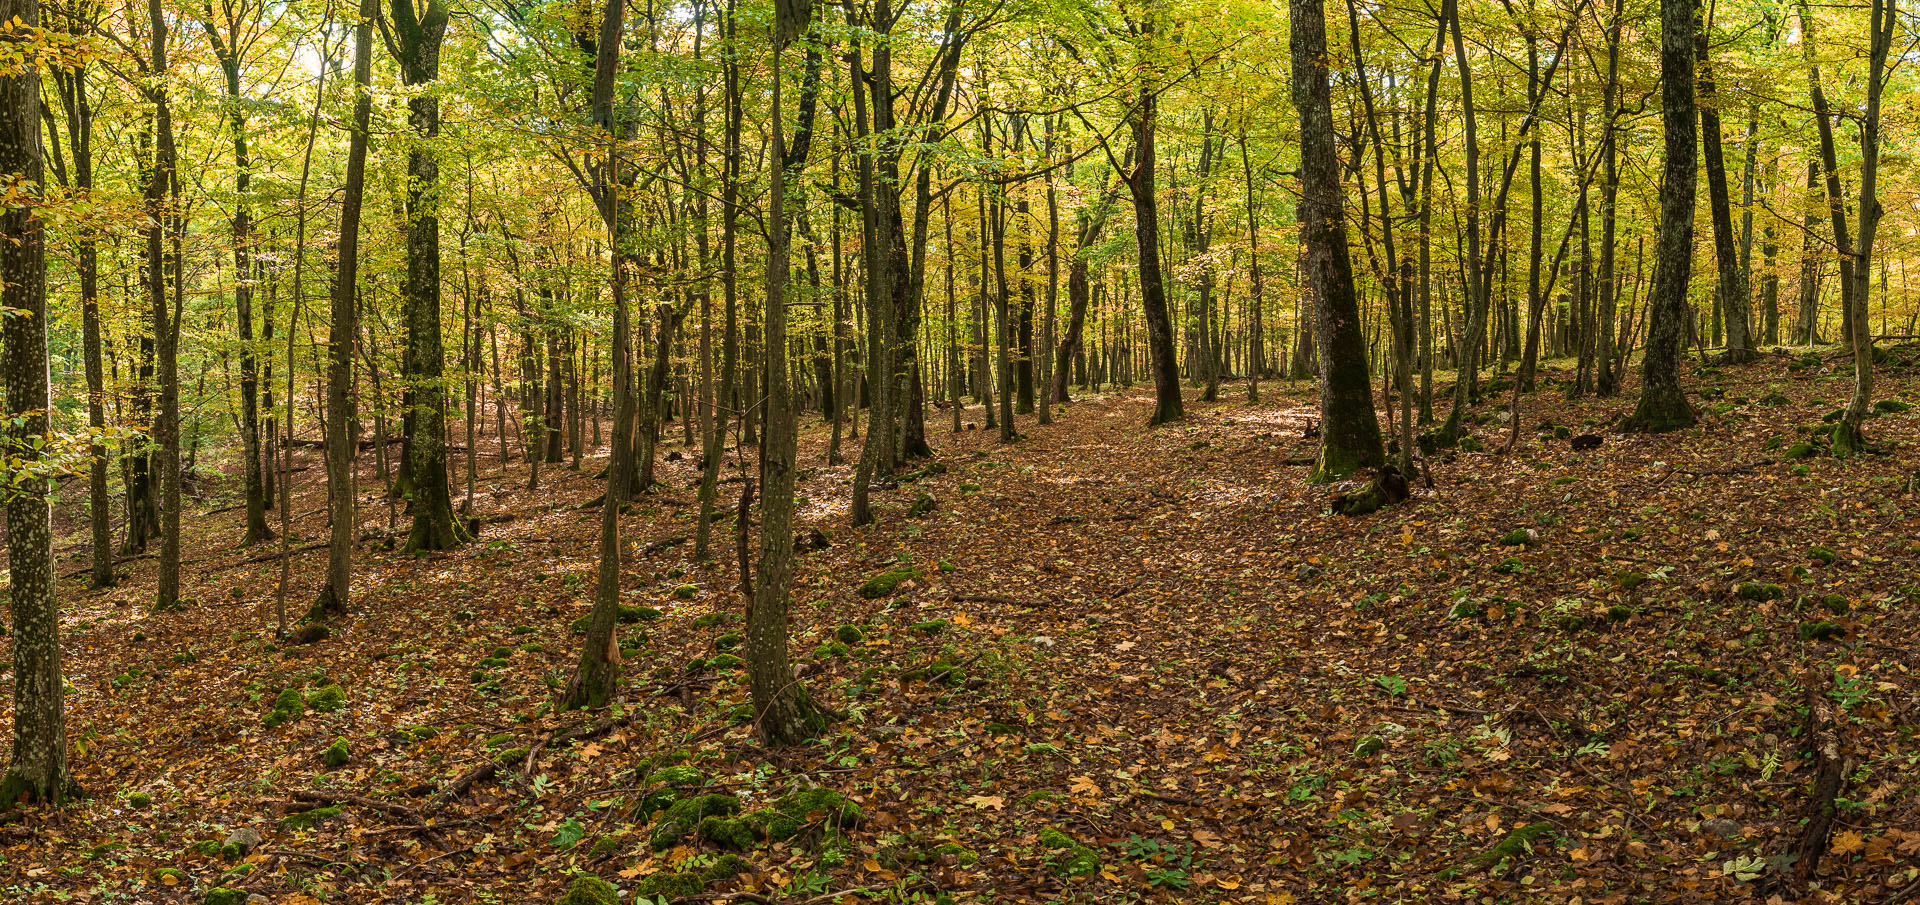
(1663, 404)
(38, 771)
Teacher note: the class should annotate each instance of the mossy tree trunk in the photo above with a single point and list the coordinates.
(1663, 404)
(416, 46)
(783, 710)
(38, 769)
(1350, 431)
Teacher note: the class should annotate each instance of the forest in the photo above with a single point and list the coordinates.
(960, 451)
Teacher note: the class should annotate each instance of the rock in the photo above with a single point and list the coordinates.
(1586, 442)
(887, 733)
(807, 540)
(1721, 827)
(1306, 571)
(245, 839)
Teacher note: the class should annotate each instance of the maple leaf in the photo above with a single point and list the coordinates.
(1848, 842)
(1082, 785)
(995, 802)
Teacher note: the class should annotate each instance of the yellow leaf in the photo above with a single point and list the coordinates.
(1082, 785)
(987, 801)
(963, 620)
(1847, 843)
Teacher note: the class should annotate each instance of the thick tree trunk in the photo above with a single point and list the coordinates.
(1663, 404)
(1732, 285)
(1153, 292)
(37, 771)
(1350, 432)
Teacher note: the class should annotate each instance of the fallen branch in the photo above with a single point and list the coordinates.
(1829, 777)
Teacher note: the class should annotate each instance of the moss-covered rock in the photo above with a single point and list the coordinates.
(726, 867)
(725, 661)
(670, 886)
(922, 504)
(336, 754)
(709, 620)
(588, 889)
(1800, 450)
(1821, 630)
(821, 804)
(1078, 861)
(1520, 537)
(1512, 565)
(139, 801)
(631, 614)
(728, 641)
(727, 832)
(1630, 580)
(1836, 604)
(881, 585)
(1054, 840)
(849, 634)
(1821, 555)
(1369, 746)
(312, 633)
(1774, 400)
(931, 626)
(221, 895)
(290, 706)
(1519, 841)
(329, 699)
(687, 814)
(1890, 407)
(307, 820)
(830, 650)
(1753, 590)
(686, 591)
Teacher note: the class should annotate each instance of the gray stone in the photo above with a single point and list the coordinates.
(1721, 827)
(246, 837)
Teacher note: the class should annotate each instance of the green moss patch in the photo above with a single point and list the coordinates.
(881, 585)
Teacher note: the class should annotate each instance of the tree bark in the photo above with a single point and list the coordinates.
(1663, 404)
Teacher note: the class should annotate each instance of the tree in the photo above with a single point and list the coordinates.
(1350, 432)
(344, 331)
(37, 771)
(1663, 404)
(414, 37)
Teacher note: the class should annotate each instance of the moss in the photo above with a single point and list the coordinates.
(678, 775)
(1466, 609)
(221, 895)
(1836, 604)
(1369, 746)
(830, 650)
(1753, 590)
(1055, 840)
(686, 591)
(510, 757)
(849, 634)
(670, 886)
(725, 661)
(922, 504)
(688, 814)
(709, 620)
(420, 733)
(1890, 407)
(632, 614)
(312, 633)
(307, 820)
(1080, 861)
(727, 832)
(1510, 566)
(330, 699)
(726, 867)
(931, 626)
(1799, 450)
(728, 641)
(939, 671)
(772, 824)
(588, 889)
(290, 706)
(833, 807)
(1518, 537)
(969, 488)
(139, 801)
(1821, 630)
(579, 626)
(1801, 471)
(1630, 580)
(1774, 400)
(336, 754)
(881, 585)
(1518, 841)
(1619, 613)
(1821, 555)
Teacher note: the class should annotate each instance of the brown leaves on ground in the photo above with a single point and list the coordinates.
(1155, 645)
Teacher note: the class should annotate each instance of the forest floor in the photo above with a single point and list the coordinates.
(1136, 665)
